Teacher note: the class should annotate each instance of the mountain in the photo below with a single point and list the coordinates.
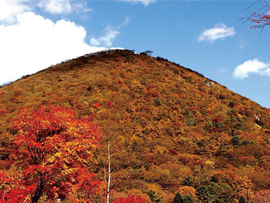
(171, 129)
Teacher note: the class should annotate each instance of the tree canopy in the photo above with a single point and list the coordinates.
(52, 148)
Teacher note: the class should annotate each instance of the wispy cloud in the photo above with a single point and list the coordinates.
(105, 40)
(251, 67)
(144, 2)
(219, 31)
(126, 22)
(222, 70)
(243, 44)
(63, 6)
(110, 34)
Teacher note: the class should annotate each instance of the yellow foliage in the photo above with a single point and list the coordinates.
(160, 150)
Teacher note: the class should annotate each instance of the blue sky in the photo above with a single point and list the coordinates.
(205, 36)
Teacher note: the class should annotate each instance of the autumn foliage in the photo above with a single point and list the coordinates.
(12, 190)
(52, 147)
(130, 199)
(260, 17)
(176, 132)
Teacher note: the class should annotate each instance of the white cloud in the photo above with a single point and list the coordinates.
(219, 31)
(110, 34)
(55, 6)
(35, 43)
(252, 67)
(222, 70)
(126, 22)
(144, 2)
(10, 8)
(105, 40)
(63, 6)
(80, 7)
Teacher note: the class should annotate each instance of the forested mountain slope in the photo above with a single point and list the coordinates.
(170, 129)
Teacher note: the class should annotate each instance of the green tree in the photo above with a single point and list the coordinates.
(242, 200)
(236, 141)
(188, 199)
(202, 193)
(178, 198)
(220, 192)
(153, 196)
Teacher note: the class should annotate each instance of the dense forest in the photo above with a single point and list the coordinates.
(116, 126)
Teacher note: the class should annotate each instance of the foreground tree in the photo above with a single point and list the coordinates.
(53, 147)
(260, 17)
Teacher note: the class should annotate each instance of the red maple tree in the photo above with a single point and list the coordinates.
(53, 147)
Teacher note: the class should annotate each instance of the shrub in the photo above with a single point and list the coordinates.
(191, 122)
(157, 102)
(236, 141)
(231, 104)
(238, 126)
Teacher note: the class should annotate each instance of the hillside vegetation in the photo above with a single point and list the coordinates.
(170, 129)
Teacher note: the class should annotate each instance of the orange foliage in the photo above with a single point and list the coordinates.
(187, 190)
(172, 127)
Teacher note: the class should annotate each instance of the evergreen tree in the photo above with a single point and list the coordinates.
(188, 199)
(178, 198)
(202, 193)
(242, 200)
